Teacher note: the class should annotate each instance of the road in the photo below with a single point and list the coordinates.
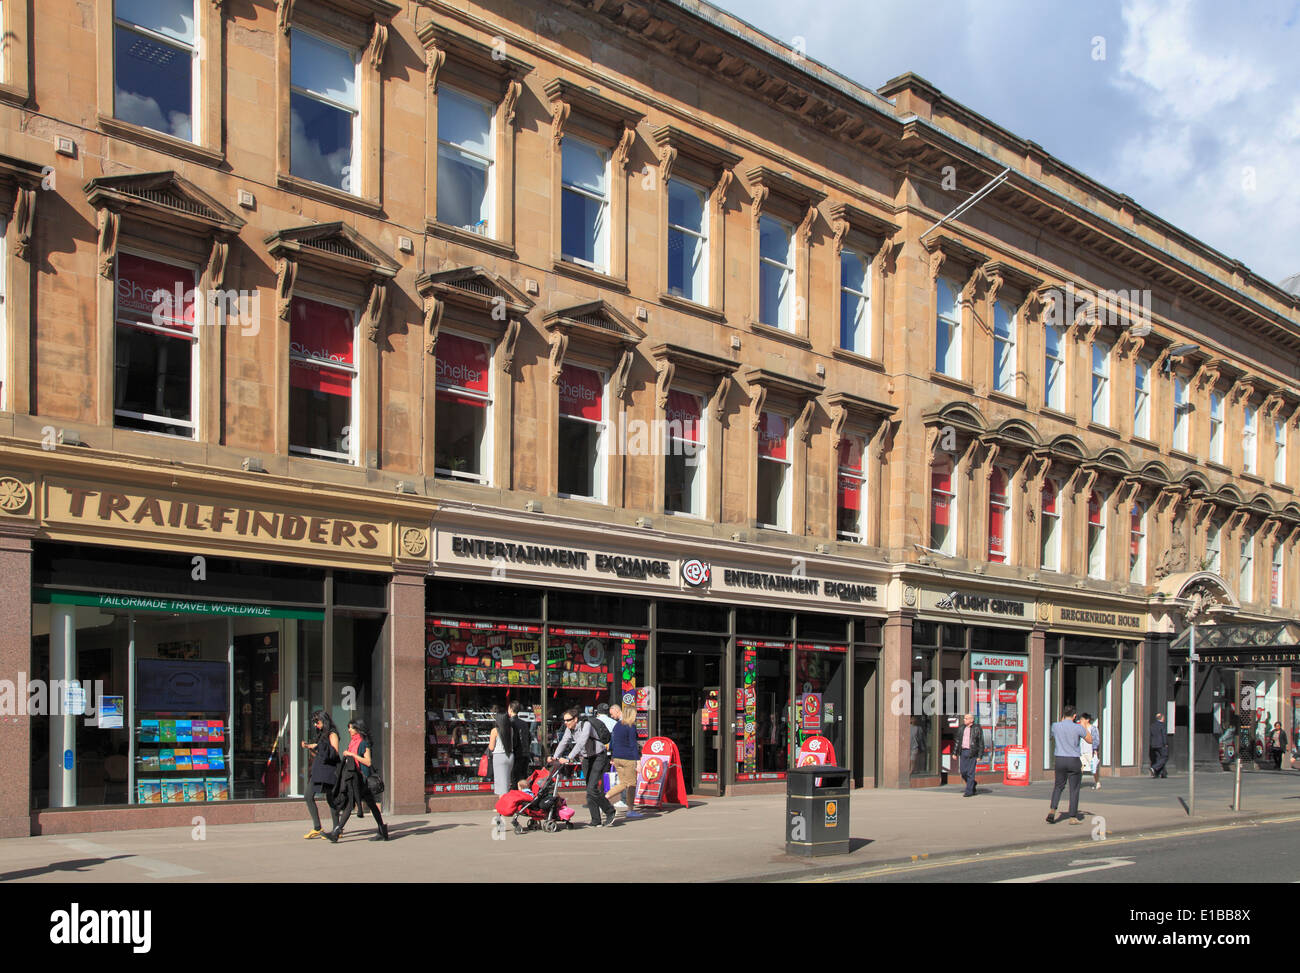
(1247, 854)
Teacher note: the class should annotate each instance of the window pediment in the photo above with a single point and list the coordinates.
(489, 304)
(687, 148)
(851, 222)
(468, 56)
(674, 361)
(332, 247)
(163, 198)
(596, 323)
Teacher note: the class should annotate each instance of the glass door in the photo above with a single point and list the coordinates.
(690, 707)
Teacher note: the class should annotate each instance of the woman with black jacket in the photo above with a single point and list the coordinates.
(324, 769)
(353, 787)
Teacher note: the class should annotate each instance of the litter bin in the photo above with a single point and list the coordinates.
(817, 811)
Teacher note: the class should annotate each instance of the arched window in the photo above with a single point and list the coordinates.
(999, 517)
(1051, 527)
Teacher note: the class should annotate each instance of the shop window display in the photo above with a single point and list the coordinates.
(764, 736)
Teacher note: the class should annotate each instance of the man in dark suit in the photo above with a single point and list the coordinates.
(970, 747)
(1159, 746)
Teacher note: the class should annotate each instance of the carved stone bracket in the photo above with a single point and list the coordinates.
(880, 441)
(667, 369)
(1128, 489)
(840, 228)
(509, 342)
(1207, 374)
(109, 223)
(376, 304)
(284, 15)
(510, 101)
(1128, 346)
(378, 44)
(1270, 530)
(839, 419)
(931, 444)
(286, 272)
(967, 460)
(1294, 421)
(937, 258)
(217, 259)
(758, 400)
(667, 156)
(970, 289)
(559, 347)
(759, 194)
(623, 151)
(725, 178)
(718, 404)
(433, 309)
(803, 425)
(621, 373)
(1020, 476)
(805, 226)
(1239, 388)
(1238, 520)
(559, 116)
(1272, 405)
(991, 458)
(434, 59)
(993, 283)
(24, 222)
(1169, 499)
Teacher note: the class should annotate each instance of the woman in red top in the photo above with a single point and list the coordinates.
(353, 788)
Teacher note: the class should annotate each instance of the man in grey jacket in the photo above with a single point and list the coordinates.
(580, 742)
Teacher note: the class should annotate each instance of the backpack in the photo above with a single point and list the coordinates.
(598, 728)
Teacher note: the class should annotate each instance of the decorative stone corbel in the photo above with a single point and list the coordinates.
(24, 222)
(1293, 537)
(623, 151)
(718, 404)
(109, 223)
(1238, 520)
(1128, 489)
(376, 304)
(841, 230)
(803, 425)
(1272, 405)
(931, 444)
(993, 283)
(991, 458)
(1270, 530)
(1294, 421)
(967, 460)
(884, 262)
(805, 226)
(622, 372)
(1239, 388)
(378, 44)
(971, 287)
(434, 59)
(759, 195)
(1169, 499)
(284, 15)
(667, 156)
(433, 309)
(1161, 359)
(217, 258)
(285, 272)
(559, 346)
(1128, 346)
(1020, 476)
(725, 178)
(510, 101)
(839, 419)
(559, 116)
(1207, 374)
(663, 382)
(880, 441)
(937, 257)
(756, 404)
(509, 342)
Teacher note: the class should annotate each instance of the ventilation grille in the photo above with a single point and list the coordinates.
(599, 321)
(476, 285)
(338, 247)
(161, 197)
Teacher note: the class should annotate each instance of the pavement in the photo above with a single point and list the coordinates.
(728, 839)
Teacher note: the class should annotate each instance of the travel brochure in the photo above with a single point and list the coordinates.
(182, 790)
(182, 731)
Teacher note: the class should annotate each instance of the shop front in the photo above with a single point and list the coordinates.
(738, 664)
(179, 641)
(970, 654)
(1094, 658)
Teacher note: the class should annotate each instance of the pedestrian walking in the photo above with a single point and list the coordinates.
(354, 787)
(501, 745)
(522, 747)
(1277, 745)
(1066, 733)
(325, 766)
(1090, 753)
(917, 746)
(624, 749)
(970, 747)
(581, 741)
(1159, 746)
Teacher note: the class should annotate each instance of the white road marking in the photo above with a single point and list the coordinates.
(156, 867)
(1100, 865)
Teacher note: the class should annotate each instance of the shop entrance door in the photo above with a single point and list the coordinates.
(690, 673)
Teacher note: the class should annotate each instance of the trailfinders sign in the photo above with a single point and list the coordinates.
(187, 517)
(504, 558)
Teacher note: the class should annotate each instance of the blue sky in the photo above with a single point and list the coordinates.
(1192, 107)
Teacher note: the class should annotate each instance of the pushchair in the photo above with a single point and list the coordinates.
(542, 808)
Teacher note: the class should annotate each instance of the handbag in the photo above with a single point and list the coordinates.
(375, 783)
(485, 764)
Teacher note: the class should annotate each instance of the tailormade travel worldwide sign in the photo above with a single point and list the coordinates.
(505, 557)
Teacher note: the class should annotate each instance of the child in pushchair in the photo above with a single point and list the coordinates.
(536, 803)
